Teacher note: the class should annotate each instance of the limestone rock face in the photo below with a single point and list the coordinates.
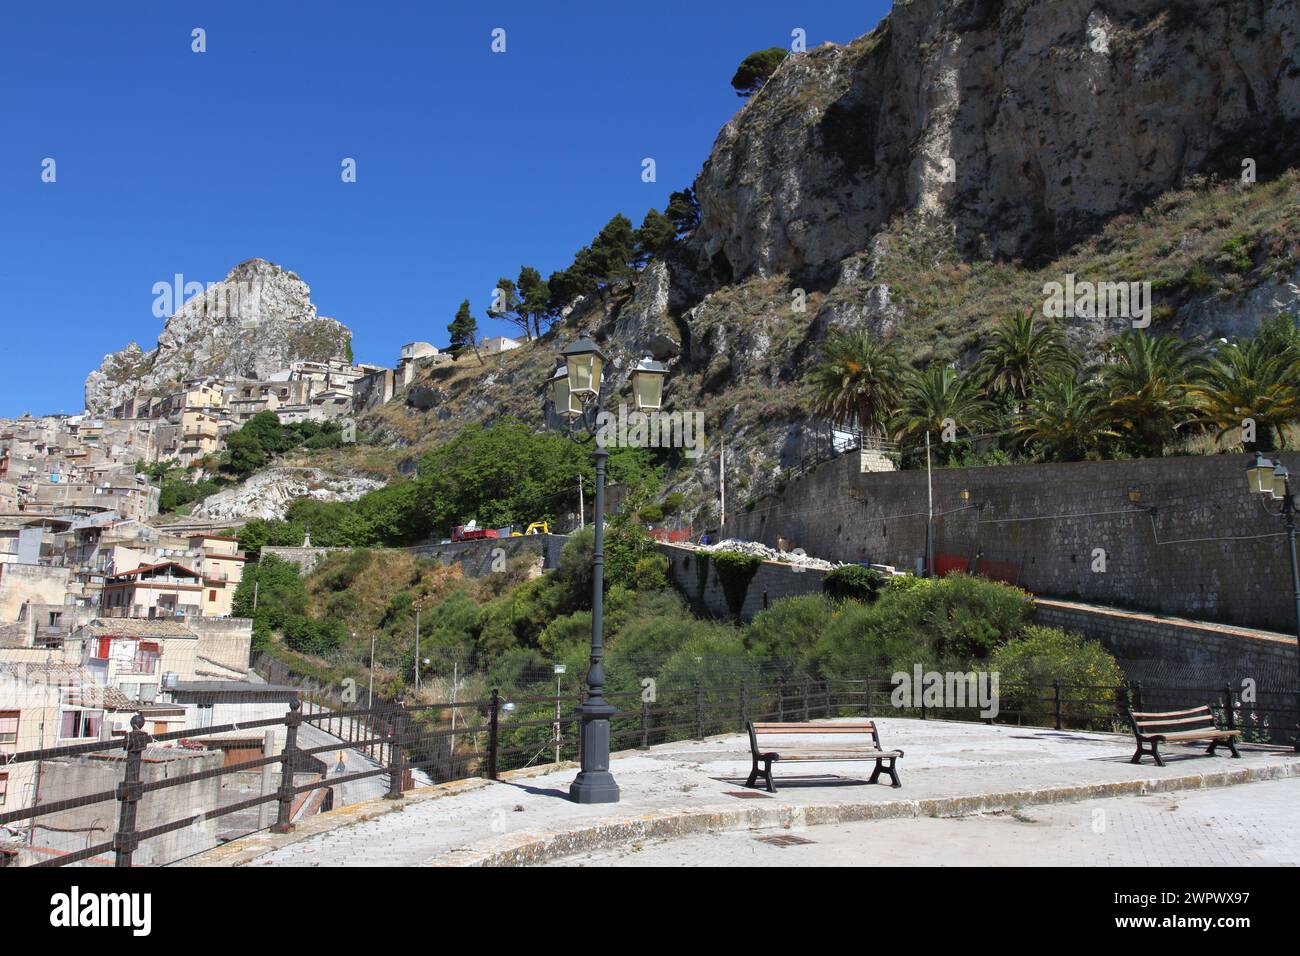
(267, 494)
(1023, 125)
(258, 320)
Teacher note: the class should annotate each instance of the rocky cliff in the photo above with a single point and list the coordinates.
(1021, 126)
(257, 320)
(927, 180)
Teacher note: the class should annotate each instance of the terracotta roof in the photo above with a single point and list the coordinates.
(136, 627)
(154, 567)
(76, 684)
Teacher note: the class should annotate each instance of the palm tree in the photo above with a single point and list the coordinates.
(1021, 353)
(1146, 379)
(937, 396)
(1257, 382)
(1062, 418)
(857, 381)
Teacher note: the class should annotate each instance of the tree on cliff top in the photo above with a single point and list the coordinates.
(756, 69)
(464, 332)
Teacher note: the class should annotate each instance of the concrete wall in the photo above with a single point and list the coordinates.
(305, 558)
(476, 558)
(68, 777)
(1209, 551)
(1193, 651)
(697, 579)
(34, 583)
(224, 647)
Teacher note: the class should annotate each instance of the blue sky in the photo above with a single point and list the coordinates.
(469, 163)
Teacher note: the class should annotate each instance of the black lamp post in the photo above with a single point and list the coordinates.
(1271, 481)
(575, 393)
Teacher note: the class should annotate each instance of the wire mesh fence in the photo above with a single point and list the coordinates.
(150, 793)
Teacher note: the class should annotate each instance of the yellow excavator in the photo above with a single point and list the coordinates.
(537, 527)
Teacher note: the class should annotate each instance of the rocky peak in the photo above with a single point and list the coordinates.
(256, 321)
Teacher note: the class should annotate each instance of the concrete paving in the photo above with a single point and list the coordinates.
(1254, 825)
(690, 788)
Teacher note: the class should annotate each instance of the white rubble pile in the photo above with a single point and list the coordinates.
(770, 554)
(267, 494)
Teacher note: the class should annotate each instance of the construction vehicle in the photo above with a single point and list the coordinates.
(472, 532)
(537, 527)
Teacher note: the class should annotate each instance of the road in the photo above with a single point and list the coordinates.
(1256, 824)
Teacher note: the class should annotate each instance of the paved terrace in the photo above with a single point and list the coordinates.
(688, 788)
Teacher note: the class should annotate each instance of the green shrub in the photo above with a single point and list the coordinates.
(790, 628)
(871, 641)
(853, 582)
(651, 572)
(970, 616)
(309, 636)
(944, 623)
(564, 633)
(1087, 672)
(906, 582)
(338, 572)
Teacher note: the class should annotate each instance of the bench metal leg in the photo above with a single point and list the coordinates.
(880, 765)
(1142, 751)
(766, 773)
(1229, 742)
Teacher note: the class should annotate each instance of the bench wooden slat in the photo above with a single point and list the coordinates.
(855, 755)
(1199, 734)
(1203, 709)
(813, 728)
(1176, 721)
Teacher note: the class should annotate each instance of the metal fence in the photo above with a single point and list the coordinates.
(147, 799)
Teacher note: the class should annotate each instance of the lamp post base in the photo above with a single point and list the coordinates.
(594, 783)
(596, 786)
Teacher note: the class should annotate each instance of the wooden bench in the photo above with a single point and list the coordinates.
(795, 750)
(1178, 726)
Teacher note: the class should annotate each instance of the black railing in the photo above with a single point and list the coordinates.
(447, 741)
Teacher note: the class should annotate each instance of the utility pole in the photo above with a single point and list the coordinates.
(582, 508)
(417, 648)
(455, 678)
(722, 484)
(370, 696)
(929, 513)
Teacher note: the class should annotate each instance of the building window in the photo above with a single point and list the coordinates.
(79, 724)
(4, 788)
(146, 658)
(9, 726)
(212, 594)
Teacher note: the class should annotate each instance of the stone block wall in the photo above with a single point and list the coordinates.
(697, 579)
(1195, 543)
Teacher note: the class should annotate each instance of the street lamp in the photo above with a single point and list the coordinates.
(1272, 482)
(575, 392)
(560, 670)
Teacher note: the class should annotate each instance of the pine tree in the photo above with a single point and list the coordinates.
(464, 332)
(756, 69)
